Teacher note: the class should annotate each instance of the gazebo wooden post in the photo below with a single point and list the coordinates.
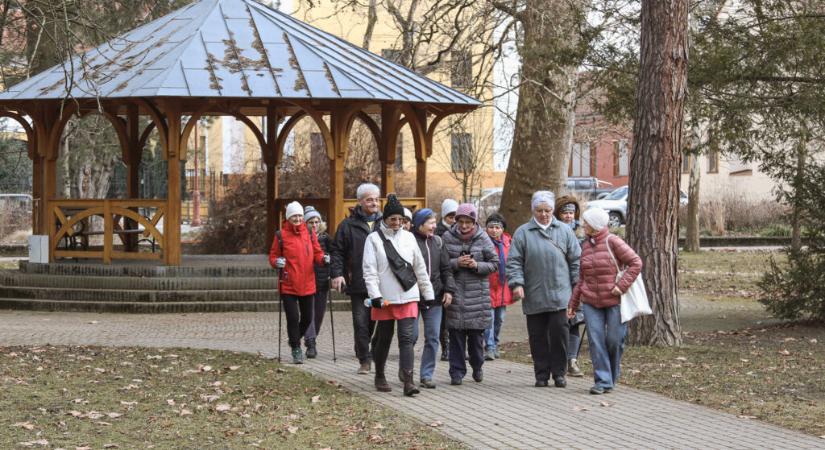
(131, 157)
(340, 124)
(171, 218)
(270, 154)
(423, 150)
(390, 126)
(47, 128)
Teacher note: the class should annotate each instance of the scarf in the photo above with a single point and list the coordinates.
(469, 235)
(366, 218)
(502, 275)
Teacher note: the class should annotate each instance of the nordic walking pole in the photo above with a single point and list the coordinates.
(280, 314)
(332, 324)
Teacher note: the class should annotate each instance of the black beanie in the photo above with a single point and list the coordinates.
(496, 217)
(393, 206)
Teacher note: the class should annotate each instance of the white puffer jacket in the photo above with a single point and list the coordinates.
(378, 276)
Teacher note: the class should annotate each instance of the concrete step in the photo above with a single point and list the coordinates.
(247, 267)
(15, 278)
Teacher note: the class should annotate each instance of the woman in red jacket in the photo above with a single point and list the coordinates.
(500, 295)
(600, 290)
(294, 252)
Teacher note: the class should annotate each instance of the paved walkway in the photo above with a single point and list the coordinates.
(505, 411)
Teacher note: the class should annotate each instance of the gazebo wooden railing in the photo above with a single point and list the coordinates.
(132, 220)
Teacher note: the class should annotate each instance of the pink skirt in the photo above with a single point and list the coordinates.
(395, 312)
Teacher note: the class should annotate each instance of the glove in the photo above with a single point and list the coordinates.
(280, 263)
(377, 302)
(327, 259)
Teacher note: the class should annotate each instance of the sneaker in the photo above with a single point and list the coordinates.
(297, 356)
(608, 390)
(490, 355)
(574, 370)
(427, 383)
(597, 390)
(560, 382)
(496, 353)
(365, 368)
(312, 352)
(542, 383)
(455, 381)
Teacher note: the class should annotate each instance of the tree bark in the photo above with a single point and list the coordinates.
(540, 151)
(796, 214)
(655, 165)
(692, 232)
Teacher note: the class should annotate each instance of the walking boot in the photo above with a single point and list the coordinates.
(574, 370)
(409, 386)
(380, 380)
(297, 355)
(312, 352)
(364, 368)
(489, 355)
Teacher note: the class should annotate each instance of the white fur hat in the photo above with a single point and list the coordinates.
(448, 206)
(293, 209)
(597, 218)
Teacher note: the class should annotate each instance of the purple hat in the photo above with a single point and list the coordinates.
(467, 210)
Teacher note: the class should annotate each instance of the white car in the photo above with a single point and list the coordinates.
(615, 203)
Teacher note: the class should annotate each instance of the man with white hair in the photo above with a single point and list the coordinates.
(542, 268)
(346, 269)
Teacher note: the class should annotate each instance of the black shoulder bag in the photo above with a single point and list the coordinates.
(402, 269)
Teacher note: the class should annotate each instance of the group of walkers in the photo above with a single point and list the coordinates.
(458, 277)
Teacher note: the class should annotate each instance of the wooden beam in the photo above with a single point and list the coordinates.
(340, 138)
(173, 149)
(390, 126)
(270, 155)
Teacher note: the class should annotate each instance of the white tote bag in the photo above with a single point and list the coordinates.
(634, 302)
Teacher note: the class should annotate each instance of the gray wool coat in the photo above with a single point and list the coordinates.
(545, 263)
(471, 309)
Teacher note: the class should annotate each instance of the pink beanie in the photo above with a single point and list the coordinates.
(467, 210)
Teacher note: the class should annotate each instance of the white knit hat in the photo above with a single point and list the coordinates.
(540, 197)
(448, 206)
(597, 218)
(408, 214)
(293, 209)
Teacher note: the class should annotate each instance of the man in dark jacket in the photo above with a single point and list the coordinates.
(441, 277)
(347, 257)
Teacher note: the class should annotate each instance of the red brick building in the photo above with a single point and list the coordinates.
(600, 149)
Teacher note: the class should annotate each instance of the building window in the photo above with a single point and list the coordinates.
(462, 69)
(687, 162)
(399, 153)
(713, 161)
(621, 158)
(582, 160)
(461, 151)
(391, 54)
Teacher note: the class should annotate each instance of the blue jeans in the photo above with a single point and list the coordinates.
(432, 332)
(605, 333)
(491, 334)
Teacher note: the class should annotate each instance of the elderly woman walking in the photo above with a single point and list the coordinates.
(472, 258)
(542, 268)
(316, 224)
(441, 276)
(294, 252)
(600, 289)
(500, 295)
(396, 277)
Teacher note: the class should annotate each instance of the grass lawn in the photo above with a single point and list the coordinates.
(92, 397)
(724, 275)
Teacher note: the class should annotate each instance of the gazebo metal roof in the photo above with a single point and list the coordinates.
(234, 48)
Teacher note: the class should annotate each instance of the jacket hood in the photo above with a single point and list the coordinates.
(287, 226)
(563, 200)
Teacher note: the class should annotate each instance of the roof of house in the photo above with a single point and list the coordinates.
(233, 48)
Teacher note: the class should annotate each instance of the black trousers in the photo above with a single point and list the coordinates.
(362, 327)
(383, 338)
(298, 312)
(471, 341)
(444, 336)
(548, 333)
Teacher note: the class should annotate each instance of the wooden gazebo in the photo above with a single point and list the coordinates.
(216, 58)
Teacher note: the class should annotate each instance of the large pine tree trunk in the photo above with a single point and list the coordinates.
(655, 165)
(539, 156)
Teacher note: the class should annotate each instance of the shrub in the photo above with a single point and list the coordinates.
(238, 222)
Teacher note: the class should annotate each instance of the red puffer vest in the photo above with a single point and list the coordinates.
(598, 271)
(301, 249)
(500, 294)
